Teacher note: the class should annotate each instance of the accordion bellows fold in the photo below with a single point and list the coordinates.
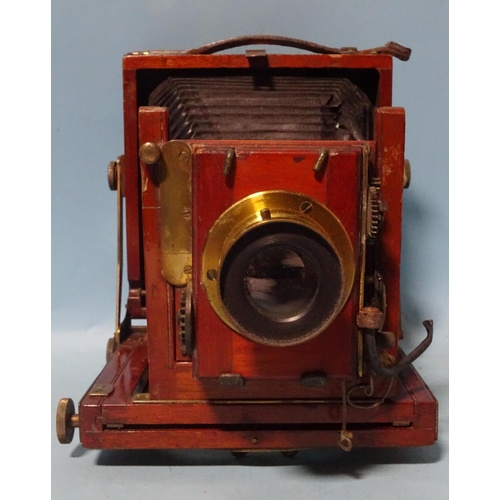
(278, 107)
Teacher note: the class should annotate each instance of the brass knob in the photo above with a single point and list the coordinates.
(149, 153)
(112, 175)
(66, 420)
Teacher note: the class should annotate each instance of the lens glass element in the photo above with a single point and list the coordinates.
(280, 283)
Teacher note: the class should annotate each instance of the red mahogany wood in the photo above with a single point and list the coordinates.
(219, 349)
(170, 379)
(216, 343)
(131, 358)
(131, 189)
(170, 60)
(390, 139)
(153, 127)
(116, 421)
(256, 440)
(187, 408)
(164, 60)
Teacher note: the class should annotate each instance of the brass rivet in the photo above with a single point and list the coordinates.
(306, 207)
(186, 213)
(255, 440)
(183, 156)
(212, 274)
(149, 153)
(188, 269)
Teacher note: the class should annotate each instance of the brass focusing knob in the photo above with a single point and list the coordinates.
(66, 420)
(112, 175)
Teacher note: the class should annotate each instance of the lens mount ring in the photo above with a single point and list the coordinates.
(256, 212)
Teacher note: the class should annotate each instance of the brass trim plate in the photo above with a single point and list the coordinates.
(268, 207)
(100, 390)
(175, 212)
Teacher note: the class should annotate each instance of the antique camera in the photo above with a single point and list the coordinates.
(263, 197)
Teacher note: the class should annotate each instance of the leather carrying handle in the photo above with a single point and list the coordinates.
(390, 48)
(240, 41)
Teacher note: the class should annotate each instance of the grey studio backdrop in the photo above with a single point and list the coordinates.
(88, 41)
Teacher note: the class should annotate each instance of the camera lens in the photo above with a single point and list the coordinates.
(281, 284)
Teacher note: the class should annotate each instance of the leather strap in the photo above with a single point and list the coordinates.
(390, 48)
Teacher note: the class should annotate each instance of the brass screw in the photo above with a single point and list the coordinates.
(212, 274)
(306, 207)
(183, 156)
(186, 213)
(188, 269)
(255, 440)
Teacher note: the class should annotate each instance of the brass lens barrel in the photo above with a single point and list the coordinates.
(258, 215)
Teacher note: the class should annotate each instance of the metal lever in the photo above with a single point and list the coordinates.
(379, 369)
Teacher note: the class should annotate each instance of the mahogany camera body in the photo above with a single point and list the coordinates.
(263, 197)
